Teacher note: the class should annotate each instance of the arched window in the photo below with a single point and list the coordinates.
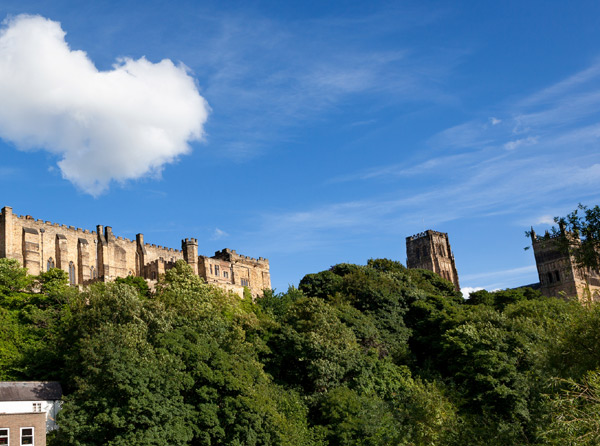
(93, 274)
(72, 278)
(50, 264)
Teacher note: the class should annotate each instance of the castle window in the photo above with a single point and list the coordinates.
(72, 279)
(225, 274)
(217, 270)
(93, 274)
(211, 271)
(245, 282)
(556, 276)
(49, 266)
(549, 275)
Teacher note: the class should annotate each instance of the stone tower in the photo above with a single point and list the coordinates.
(189, 247)
(558, 271)
(431, 250)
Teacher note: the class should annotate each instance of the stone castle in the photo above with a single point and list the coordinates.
(558, 272)
(431, 250)
(90, 256)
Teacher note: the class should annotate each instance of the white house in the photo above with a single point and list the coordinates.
(28, 411)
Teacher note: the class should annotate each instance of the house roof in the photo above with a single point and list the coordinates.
(30, 390)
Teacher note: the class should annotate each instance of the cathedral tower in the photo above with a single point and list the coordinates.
(431, 250)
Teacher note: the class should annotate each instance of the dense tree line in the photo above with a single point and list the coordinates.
(356, 355)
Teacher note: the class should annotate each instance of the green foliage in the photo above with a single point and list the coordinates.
(13, 278)
(323, 285)
(139, 283)
(358, 355)
(314, 349)
(277, 305)
(501, 299)
(577, 350)
(575, 412)
(583, 222)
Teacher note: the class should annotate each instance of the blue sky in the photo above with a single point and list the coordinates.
(310, 133)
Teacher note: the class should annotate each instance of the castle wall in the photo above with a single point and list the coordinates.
(247, 271)
(37, 243)
(168, 254)
(88, 256)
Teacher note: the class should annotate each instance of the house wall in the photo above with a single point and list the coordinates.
(49, 408)
(14, 422)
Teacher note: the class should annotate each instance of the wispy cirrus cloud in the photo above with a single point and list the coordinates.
(219, 234)
(268, 76)
(507, 165)
(496, 280)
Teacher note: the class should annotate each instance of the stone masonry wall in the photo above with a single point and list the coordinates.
(88, 256)
(431, 250)
(558, 273)
(14, 422)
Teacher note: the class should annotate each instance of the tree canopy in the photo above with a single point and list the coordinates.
(372, 354)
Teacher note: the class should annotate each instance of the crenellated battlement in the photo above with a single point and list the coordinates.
(231, 255)
(100, 255)
(425, 234)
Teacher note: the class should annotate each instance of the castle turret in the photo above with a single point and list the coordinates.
(189, 246)
(140, 254)
(6, 231)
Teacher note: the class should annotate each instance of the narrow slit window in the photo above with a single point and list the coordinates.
(72, 277)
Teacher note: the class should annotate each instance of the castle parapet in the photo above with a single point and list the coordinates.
(99, 255)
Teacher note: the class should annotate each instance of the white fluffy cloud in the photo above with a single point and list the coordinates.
(105, 125)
